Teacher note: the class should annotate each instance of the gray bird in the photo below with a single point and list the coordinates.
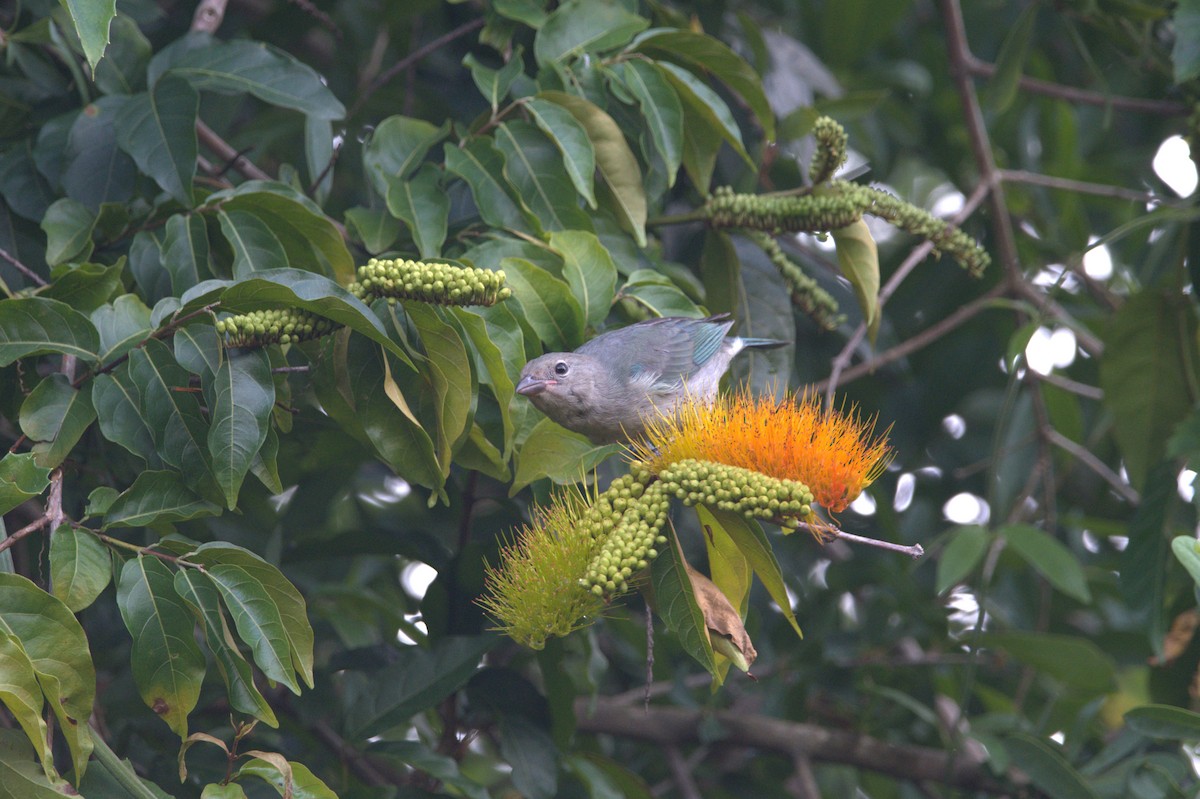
(612, 385)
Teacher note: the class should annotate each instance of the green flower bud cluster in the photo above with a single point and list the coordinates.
(831, 149)
(444, 284)
(807, 294)
(626, 520)
(906, 216)
(275, 325)
(733, 488)
(784, 213)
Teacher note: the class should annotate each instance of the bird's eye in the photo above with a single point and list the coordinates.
(561, 368)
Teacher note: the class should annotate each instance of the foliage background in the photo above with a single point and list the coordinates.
(1027, 653)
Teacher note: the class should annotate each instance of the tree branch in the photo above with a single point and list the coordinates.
(670, 726)
(25, 531)
(1080, 186)
(22, 268)
(1083, 96)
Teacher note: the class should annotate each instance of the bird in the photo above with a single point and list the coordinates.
(612, 386)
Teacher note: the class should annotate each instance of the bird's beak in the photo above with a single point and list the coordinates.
(531, 385)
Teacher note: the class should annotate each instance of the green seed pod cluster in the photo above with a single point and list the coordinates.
(444, 284)
(273, 326)
(831, 149)
(626, 521)
(906, 216)
(792, 213)
(807, 294)
(733, 488)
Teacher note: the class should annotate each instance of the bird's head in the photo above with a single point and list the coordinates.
(549, 376)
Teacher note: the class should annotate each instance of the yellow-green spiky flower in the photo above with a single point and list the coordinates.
(831, 149)
(273, 326)
(444, 284)
(807, 295)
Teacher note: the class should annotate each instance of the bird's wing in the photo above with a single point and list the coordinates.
(661, 352)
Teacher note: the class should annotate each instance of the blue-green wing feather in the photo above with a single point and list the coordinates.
(666, 350)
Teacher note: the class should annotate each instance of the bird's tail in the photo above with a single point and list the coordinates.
(764, 343)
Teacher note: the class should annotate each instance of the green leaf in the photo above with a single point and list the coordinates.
(255, 245)
(494, 83)
(229, 791)
(1164, 721)
(68, 225)
(374, 227)
(706, 106)
(555, 452)
(242, 397)
(80, 567)
(750, 539)
(657, 294)
(492, 366)
(319, 156)
(960, 557)
(270, 74)
(20, 777)
(97, 170)
(91, 19)
(1186, 549)
(158, 129)
(728, 567)
(481, 165)
(117, 399)
(533, 165)
(85, 286)
(1076, 662)
(157, 497)
(22, 696)
(198, 591)
(531, 752)
(120, 325)
(579, 26)
(171, 411)
(589, 271)
(414, 680)
(858, 258)
(529, 12)
(1185, 55)
(168, 666)
(454, 382)
(675, 603)
(397, 147)
(21, 478)
(56, 416)
(550, 307)
(36, 325)
(1010, 62)
(311, 240)
(701, 53)
(304, 784)
(1048, 555)
(424, 206)
(245, 580)
(571, 138)
(616, 162)
(1047, 768)
(662, 110)
(123, 68)
(61, 658)
(1149, 349)
(185, 251)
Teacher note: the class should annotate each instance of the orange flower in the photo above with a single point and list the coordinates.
(833, 453)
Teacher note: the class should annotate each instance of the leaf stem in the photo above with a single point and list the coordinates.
(161, 333)
(120, 770)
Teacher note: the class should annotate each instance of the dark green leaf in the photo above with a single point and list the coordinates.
(675, 603)
(58, 649)
(117, 399)
(36, 325)
(480, 164)
(198, 591)
(85, 287)
(68, 225)
(92, 19)
(1053, 560)
(1076, 662)
(243, 395)
(589, 271)
(533, 165)
(424, 206)
(56, 416)
(21, 478)
(20, 776)
(168, 666)
(158, 129)
(571, 138)
(255, 245)
(531, 752)
(1185, 56)
(492, 365)
(706, 105)
(374, 227)
(97, 170)
(550, 307)
(1164, 721)
(269, 74)
(450, 368)
(494, 83)
(615, 160)
(123, 68)
(657, 294)
(962, 554)
(198, 349)
(397, 146)
(555, 452)
(157, 498)
(750, 539)
(579, 26)
(1047, 768)
(663, 112)
(80, 567)
(858, 258)
(185, 251)
(319, 156)
(1010, 63)
(416, 679)
(1149, 350)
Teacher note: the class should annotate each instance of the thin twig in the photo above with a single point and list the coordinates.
(687, 786)
(167, 330)
(914, 551)
(412, 58)
(22, 268)
(1087, 458)
(225, 152)
(1067, 384)
(1080, 186)
(25, 531)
